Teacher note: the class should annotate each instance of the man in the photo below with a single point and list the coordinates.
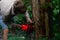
(5, 6)
(20, 11)
(4, 27)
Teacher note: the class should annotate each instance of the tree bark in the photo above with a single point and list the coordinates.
(35, 10)
(44, 18)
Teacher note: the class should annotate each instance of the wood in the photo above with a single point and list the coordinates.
(44, 18)
(35, 10)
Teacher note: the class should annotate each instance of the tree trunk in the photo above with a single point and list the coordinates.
(44, 18)
(36, 13)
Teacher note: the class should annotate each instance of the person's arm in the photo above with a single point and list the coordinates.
(27, 17)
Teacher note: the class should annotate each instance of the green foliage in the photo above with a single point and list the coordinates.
(55, 5)
(27, 2)
(28, 5)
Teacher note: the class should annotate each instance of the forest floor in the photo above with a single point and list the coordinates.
(16, 37)
(22, 37)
